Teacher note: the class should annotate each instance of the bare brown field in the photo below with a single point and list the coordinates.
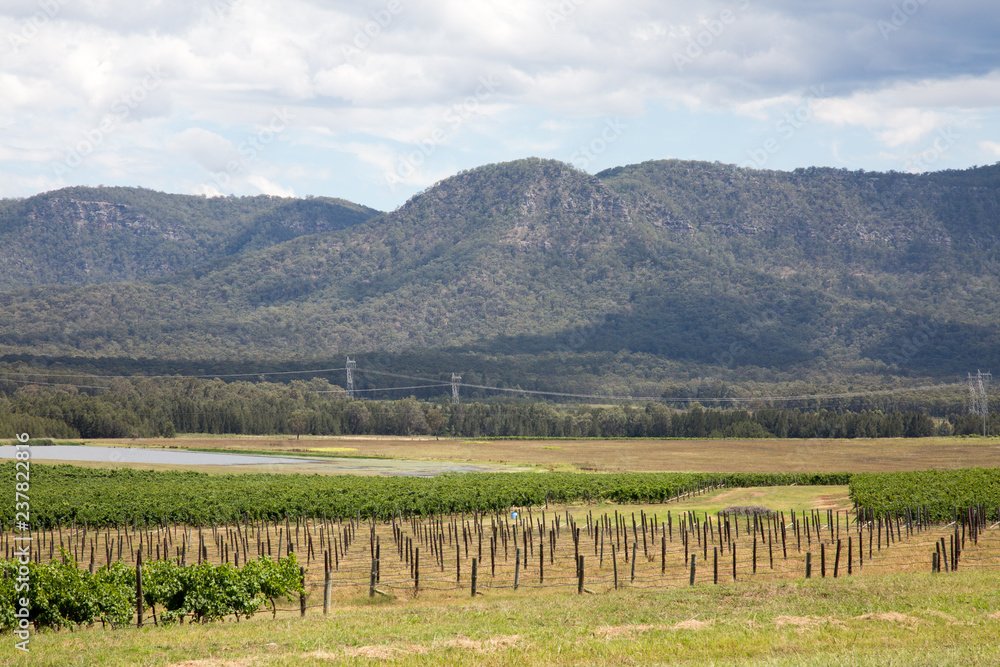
(763, 455)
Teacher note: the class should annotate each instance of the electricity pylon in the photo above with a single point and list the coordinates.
(978, 404)
(351, 365)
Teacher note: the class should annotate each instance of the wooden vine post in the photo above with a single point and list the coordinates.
(138, 588)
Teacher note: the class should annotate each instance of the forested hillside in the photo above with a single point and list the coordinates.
(640, 280)
(84, 236)
(897, 268)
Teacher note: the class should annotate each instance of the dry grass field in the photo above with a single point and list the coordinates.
(757, 455)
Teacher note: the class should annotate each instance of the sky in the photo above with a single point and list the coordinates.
(376, 101)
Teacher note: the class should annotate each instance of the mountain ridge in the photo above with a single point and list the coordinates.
(79, 235)
(664, 270)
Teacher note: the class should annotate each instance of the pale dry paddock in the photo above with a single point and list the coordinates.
(751, 455)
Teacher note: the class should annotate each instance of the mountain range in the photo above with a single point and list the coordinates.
(639, 280)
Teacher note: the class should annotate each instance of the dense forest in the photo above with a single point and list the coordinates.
(640, 281)
(146, 407)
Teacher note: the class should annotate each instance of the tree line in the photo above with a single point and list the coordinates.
(163, 407)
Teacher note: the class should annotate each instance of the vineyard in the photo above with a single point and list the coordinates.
(64, 494)
(213, 572)
(941, 493)
(203, 547)
(61, 595)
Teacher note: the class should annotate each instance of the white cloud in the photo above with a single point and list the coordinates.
(898, 115)
(208, 149)
(380, 156)
(557, 126)
(16, 154)
(992, 147)
(268, 187)
(380, 76)
(15, 183)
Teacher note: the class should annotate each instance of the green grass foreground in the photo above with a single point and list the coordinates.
(911, 619)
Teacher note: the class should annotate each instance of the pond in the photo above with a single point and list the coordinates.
(346, 466)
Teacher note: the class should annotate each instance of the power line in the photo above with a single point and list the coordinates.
(740, 399)
(733, 399)
(397, 375)
(358, 391)
(313, 371)
(456, 382)
(59, 384)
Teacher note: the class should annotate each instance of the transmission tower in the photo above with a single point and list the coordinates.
(351, 365)
(978, 405)
(455, 381)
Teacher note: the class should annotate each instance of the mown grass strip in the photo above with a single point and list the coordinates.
(862, 620)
